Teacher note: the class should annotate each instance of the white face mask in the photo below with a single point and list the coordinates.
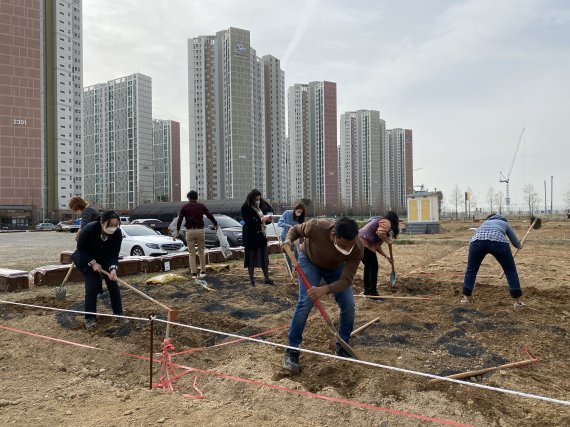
(298, 213)
(341, 250)
(257, 202)
(110, 230)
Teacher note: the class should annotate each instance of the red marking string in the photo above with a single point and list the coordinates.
(166, 381)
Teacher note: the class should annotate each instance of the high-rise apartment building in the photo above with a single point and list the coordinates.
(276, 149)
(20, 114)
(320, 154)
(362, 135)
(398, 174)
(62, 87)
(236, 116)
(118, 143)
(40, 109)
(299, 166)
(206, 156)
(166, 160)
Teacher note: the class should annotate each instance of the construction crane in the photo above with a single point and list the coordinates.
(506, 178)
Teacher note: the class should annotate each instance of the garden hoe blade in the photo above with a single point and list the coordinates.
(61, 291)
(318, 304)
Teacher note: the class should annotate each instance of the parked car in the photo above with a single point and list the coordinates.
(230, 227)
(125, 220)
(66, 226)
(45, 226)
(140, 240)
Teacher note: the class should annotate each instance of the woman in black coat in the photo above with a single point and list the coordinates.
(255, 216)
(98, 249)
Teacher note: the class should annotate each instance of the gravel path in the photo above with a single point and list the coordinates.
(28, 250)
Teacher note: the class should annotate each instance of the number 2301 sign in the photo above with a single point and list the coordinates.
(19, 122)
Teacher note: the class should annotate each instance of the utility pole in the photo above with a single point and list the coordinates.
(545, 208)
(551, 196)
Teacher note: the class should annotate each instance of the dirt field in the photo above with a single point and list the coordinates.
(47, 382)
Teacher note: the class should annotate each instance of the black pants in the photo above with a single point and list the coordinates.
(370, 262)
(92, 286)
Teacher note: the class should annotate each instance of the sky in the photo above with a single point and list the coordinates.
(465, 75)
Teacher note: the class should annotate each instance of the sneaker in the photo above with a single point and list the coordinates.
(252, 284)
(291, 361)
(465, 300)
(340, 351)
(202, 275)
(519, 304)
(268, 281)
(90, 323)
(194, 276)
(121, 320)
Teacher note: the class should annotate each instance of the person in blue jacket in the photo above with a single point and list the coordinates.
(288, 219)
(491, 238)
(98, 249)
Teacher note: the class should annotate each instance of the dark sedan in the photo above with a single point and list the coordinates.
(230, 227)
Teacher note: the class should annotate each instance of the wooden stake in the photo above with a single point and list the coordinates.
(486, 370)
(151, 346)
(392, 297)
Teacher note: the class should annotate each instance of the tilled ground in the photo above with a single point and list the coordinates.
(46, 382)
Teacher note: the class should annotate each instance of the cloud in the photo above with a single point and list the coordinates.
(473, 71)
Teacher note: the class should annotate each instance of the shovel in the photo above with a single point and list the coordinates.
(61, 291)
(393, 277)
(536, 224)
(318, 304)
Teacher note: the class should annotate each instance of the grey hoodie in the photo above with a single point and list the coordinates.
(495, 228)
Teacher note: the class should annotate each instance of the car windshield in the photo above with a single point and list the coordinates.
(138, 230)
(227, 222)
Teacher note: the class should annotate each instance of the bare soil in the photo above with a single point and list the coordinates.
(47, 382)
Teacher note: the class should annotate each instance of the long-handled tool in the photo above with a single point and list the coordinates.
(61, 291)
(469, 374)
(318, 304)
(392, 297)
(332, 342)
(280, 243)
(172, 314)
(393, 278)
(536, 224)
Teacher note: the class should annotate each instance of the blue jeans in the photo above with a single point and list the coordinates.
(478, 249)
(92, 286)
(344, 299)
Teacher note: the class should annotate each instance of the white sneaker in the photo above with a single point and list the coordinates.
(202, 275)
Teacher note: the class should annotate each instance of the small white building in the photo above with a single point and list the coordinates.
(424, 208)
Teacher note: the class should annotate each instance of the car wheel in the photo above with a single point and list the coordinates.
(137, 251)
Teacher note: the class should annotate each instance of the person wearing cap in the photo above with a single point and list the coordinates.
(331, 252)
(98, 250)
(491, 238)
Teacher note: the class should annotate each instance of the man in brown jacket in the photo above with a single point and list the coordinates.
(331, 252)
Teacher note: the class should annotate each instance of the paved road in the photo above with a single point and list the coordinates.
(28, 250)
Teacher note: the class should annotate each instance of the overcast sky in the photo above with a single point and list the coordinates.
(466, 76)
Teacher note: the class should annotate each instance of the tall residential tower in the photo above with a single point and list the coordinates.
(166, 160)
(236, 115)
(118, 143)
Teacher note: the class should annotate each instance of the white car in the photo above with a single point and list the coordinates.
(139, 240)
